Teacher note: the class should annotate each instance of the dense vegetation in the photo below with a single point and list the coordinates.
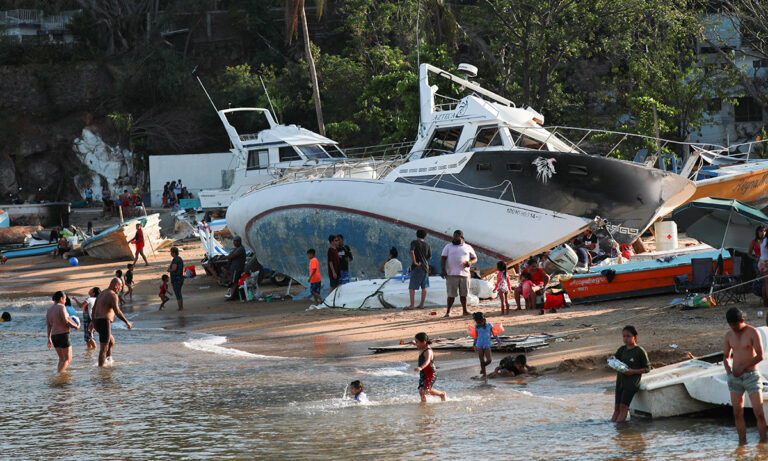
(598, 63)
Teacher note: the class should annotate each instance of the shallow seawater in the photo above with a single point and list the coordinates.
(178, 395)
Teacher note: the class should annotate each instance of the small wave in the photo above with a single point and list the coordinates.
(212, 344)
(25, 304)
(391, 371)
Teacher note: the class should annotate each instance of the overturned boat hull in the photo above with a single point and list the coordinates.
(112, 243)
(281, 222)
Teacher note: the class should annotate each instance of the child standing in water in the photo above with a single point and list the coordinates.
(356, 390)
(129, 281)
(163, 291)
(426, 368)
(502, 286)
(119, 276)
(482, 342)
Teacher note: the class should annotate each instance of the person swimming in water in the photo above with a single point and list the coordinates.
(426, 368)
(356, 391)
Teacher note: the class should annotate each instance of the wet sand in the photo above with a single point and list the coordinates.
(286, 328)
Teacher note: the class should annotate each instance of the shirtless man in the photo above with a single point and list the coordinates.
(106, 307)
(743, 351)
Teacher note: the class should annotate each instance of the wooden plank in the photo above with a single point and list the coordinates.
(508, 344)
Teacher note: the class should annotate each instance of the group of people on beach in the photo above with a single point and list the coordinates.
(173, 192)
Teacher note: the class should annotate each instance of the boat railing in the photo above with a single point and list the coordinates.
(368, 168)
(380, 151)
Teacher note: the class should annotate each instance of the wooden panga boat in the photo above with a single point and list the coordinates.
(112, 243)
(636, 278)
(35, 250)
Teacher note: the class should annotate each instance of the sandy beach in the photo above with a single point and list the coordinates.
(285, 327)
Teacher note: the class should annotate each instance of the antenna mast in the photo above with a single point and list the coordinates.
(268, 99)
(194, 73)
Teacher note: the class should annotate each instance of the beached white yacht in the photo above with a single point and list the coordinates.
(480, 164)
(688, 387)
(271, 154)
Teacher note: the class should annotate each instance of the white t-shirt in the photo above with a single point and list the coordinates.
(392, 267)
(91, 301)
(457, 255)
(764, 249)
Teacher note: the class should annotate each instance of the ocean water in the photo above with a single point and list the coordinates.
(174, 394)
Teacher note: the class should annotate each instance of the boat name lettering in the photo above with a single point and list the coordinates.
(745, 185)
(525, 213)
(586, 281)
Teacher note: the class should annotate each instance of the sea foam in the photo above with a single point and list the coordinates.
(212, 344)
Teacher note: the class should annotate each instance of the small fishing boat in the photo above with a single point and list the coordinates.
(746, 182)
(112, 243)
(634, 279)
(688, 387)
(34, 250)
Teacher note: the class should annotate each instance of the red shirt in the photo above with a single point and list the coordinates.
(314, 265)
(538, 277)
(335, 262)
(163, 288)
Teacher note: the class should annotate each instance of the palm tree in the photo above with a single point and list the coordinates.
(294, 11)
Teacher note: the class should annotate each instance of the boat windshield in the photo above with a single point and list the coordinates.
(487, 137)
(314, 151)
(443, 141)
(333, 150)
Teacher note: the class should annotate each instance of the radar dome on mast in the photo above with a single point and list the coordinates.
(468, 70)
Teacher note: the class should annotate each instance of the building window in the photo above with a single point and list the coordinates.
(748, 110)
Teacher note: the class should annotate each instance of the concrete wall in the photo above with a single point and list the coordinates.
(196, 171)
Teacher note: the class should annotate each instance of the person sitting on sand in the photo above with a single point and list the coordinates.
(392, 266)
(3, 259)
(511, 366)
(539, 280)
(628, 381)
(426, 368)
(356, 391)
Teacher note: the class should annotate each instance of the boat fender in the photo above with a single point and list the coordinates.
(609, 274)
(497, 329)
(471, 331)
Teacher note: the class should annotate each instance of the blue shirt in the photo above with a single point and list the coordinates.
(484, 335)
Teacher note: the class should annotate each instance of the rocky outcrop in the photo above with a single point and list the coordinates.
(105, 165)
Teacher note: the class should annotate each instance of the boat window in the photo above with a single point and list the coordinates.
(527, 142)
(333, 150)
(487, 137)
(443, 140)
(483, 167)
(578, 170)
(314, 152)
(257, 159)
(288, 153)
(514, 167)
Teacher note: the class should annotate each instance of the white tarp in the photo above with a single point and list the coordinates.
(389, 293)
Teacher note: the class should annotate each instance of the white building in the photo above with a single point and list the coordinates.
(731, 123)
(196, 171)
(36, 26)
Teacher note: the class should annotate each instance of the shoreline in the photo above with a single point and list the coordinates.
(286, 328)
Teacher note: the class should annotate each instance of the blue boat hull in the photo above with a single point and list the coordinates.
(31, 251)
